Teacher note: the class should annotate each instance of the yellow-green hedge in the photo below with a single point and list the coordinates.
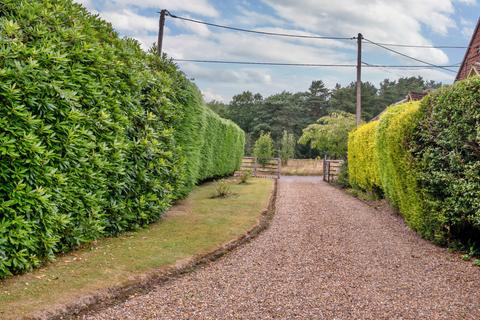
(398, 178)
(363, 157)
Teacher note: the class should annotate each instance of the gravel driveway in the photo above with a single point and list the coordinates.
(326, 255)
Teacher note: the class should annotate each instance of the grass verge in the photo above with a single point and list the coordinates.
(193, 227)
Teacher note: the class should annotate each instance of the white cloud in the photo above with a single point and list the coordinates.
(200, 7)
(209, 96)
(468, 2)
(381, 21)
(128, 21)
(200, 29)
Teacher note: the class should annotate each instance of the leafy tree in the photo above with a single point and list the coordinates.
(330, 134)
(287, 148)
(263, 148)
(218, 107)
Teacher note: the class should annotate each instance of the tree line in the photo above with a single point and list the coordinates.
(293, 112)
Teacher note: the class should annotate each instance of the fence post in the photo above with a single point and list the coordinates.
(255, 166)
(279, 162)
(324, 167)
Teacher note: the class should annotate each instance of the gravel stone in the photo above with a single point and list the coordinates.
(326, 255)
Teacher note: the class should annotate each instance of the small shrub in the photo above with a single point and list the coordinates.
(343, 179)
(287, 147)
(222, 189)
(476, 262)
(263, 148)
(245, 176)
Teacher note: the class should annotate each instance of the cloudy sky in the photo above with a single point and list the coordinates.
(418, 22)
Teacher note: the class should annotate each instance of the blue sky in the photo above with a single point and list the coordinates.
(419, 22)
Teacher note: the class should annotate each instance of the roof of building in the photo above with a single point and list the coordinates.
(469, 48)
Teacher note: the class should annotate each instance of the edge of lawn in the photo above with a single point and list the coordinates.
(144, 282)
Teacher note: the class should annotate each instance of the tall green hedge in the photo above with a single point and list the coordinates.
(446, 146)
(96, 136)
(363, 162)
(398, 176)
(428, 162)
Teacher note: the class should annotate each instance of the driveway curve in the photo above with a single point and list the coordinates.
(326, 255)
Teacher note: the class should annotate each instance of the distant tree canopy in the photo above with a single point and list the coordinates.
(295, 111)
(329, 135)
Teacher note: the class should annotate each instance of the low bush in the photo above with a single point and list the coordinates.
(222, 189)
(96, 135)
(445, 144)
(245, 176)
(363, 157)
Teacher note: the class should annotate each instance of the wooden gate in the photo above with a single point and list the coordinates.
(270, 170)
(331, 169)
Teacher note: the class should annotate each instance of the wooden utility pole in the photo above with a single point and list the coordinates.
(358, 106)
(160, 31)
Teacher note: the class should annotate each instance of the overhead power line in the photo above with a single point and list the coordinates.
(309, 64)
(422, 46)
(266, 63)
(409, 57)
(290, 35)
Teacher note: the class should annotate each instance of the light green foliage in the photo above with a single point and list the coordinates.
(96, 136)
(446, 147)
(397, 174)
(263, 148)
(287, 147)
(363, 157)
(330, 134)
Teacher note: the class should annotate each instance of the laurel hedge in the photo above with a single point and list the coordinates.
(428, 162)
(96, 136)
(445, 144)
(363, 161)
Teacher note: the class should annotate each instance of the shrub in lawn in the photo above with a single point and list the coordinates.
(96, 135)
(363, 157)
(287, 147)
(245, 176)
(222, 189)
(446, 145)
(398, 177)
(263, 148)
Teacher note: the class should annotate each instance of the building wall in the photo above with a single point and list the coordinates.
(473, 55)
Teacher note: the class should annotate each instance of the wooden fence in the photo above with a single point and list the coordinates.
(331, 169)
(269, 170)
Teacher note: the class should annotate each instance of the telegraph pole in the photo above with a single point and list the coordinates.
(161, 25)
(358, 106)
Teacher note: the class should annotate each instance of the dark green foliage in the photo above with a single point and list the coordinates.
(446, 147)
(295, 111)
(96, 136)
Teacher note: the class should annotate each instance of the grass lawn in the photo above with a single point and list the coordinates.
(194, 226)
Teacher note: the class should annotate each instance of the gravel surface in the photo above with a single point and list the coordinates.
(326, 255)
